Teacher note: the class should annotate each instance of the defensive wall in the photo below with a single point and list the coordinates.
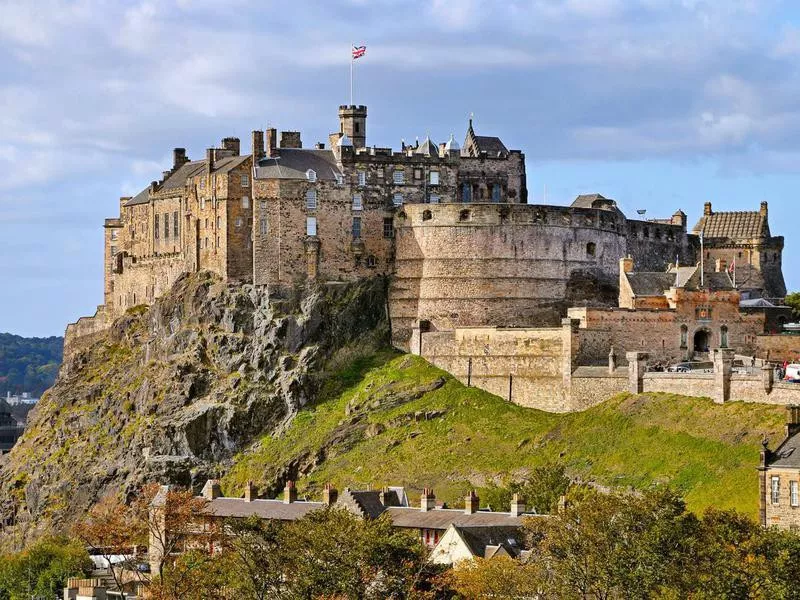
(515, 265)
(539, 368)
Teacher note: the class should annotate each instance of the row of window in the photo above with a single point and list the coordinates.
(358, 200)
(468, 193)
(311, 227)
(245, 203)
(244, 181)
(775, 491)
(175, 225)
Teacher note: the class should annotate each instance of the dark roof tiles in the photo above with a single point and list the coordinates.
(442, 518)
(733, 225)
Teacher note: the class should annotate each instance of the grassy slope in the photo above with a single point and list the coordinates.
(706, 450)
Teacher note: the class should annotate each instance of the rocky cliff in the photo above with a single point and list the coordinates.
(170, 392)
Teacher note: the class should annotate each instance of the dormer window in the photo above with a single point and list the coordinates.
(311, 175)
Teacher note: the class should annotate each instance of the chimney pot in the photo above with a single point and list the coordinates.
(763, 209)
(289, 492)
(231, 144)
(209, 159)
(272, 141)
(707, 209)
(517, 506)
(211, 489)
(471, 503)
(250, 492)
(178, 157)
(329, 495)
(427, 501)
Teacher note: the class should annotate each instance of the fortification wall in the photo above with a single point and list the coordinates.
(511, 265)
(782, 347)
(85, 330)
(144, 279)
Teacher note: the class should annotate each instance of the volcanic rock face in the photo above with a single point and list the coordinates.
(172, 391)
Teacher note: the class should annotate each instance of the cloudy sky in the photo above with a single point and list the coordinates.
(660, 104)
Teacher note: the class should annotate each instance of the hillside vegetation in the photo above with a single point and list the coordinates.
(28, 364)
(395, 419)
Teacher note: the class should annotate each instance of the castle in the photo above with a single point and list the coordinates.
(451, 226)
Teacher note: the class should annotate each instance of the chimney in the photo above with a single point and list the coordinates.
(517, 506)
(319, 146)
(763, 210)
(153, 187)
(291, 139)
(258, 145)
(231, 144)
(178, 158)
(211, 490)
(329, 495)
(679, 218)
(626, 264)
(289, 493)
(427, 501)
(792, 419)
(209, 160)
(471, 503)
(721, 265)
(272, 141)
(250, 492)
(442, 149)
(707, 209)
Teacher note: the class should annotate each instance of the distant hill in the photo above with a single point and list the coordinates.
(28, 364)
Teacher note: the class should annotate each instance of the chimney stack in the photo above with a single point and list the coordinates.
(291, 139)
(707, 209)
(258, 146)
(517, 506)
(763, 210)
(427, 501)
(272, 141)
(471, 503)
(626, 264)
(209, 160)
(289, 493)
(250, 492)
(329, 495)
(211, 489)
(153, 187)
(178, 158)
(792, 419)
(231, 144)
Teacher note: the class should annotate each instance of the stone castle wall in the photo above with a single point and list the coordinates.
(779, 347)
(512, 265)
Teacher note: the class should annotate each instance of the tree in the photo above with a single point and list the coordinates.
(540, 490)
(255, 546)
(41, 571)
(495, 578)
(793, 300)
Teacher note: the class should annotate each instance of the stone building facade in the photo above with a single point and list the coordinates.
(779, 478)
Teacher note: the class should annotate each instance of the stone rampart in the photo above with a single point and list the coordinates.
(85, 330)
(779, 347)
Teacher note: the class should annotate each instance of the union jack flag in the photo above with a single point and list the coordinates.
(359, 51)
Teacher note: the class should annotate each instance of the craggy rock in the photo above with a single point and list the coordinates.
(171, 392)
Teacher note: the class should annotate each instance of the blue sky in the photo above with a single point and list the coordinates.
(660, 104)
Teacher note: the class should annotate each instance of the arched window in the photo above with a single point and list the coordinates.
(311, 175)
(426, 215)
(591, 249)
(684, 336)
(723, 336)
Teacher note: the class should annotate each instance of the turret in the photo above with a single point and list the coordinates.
(353, 124)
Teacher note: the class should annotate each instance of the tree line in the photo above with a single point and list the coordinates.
(28, 364)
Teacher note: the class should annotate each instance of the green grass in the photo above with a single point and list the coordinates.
(707, 451)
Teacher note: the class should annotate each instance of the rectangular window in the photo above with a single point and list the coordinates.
(166, 225)
(175, 224)
(357, 202)
(356, 228)
(793, 496)
(113, 250)
(434, 200)
(263, 204)
(311, 225)
(397, 199)
(417, 174)
(238, 222)
(202, 183)
(219, 223)
(311, 199)
(496, 192)
(362, 178)
(466, 192)
(245, 180)
(339, 179)
(380, 172)
(388, 227)
(398, 177)
(206, 222)
(775, 489)
(434, 177)
(262, 227)
(202, 203)
(206, 243)
(245, 202)
(155, 227)
(114, 234)
(217, 241)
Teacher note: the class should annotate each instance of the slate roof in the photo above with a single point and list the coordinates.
(427, 148)
(733, 225)
(366, 503)
(142, 197)
(592, 201)
(492, 145)
(788, 453)
(650, 284)
(292, 163)
(756, 303)
(486, 541)
(178, 179)
(264, 509)
(442, 518)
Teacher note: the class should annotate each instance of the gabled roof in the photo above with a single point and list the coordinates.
(733, 225)
(178, 179)
(486, 541)
(756, 303)
(293, 163)
(442, 518)
(142, 197)
(366, 503)
(493, 146)
(788, 453)
(650, 284)
(593, 201)
(265, 509)
(427, 148)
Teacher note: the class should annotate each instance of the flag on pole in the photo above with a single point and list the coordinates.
(359, 51)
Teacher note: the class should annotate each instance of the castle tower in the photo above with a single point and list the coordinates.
(353, 124)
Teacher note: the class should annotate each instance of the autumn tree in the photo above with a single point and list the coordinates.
(42, 570)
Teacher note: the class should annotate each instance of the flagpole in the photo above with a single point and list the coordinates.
(351, 73)
(702, 259)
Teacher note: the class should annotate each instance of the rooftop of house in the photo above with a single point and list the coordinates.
(736, 225)
(593, 201)
(295, 163)
(645, 283)
(487, 542)
(442, 518)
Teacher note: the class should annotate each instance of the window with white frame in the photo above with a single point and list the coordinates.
(434, 200)
(356, 228)
(775, 489)
(397, 199)
(263, 205)
(238, 222)
(245, 202)
(358, 203)
(434, 179)
(262, 226)
(202, 203)
(794, 498)
(362, 178)
(311, 175)
(339, 179)
(202, 183)
(114, 234)
(399, 177)
(311, 225)
(311, 199)
(245, 180)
